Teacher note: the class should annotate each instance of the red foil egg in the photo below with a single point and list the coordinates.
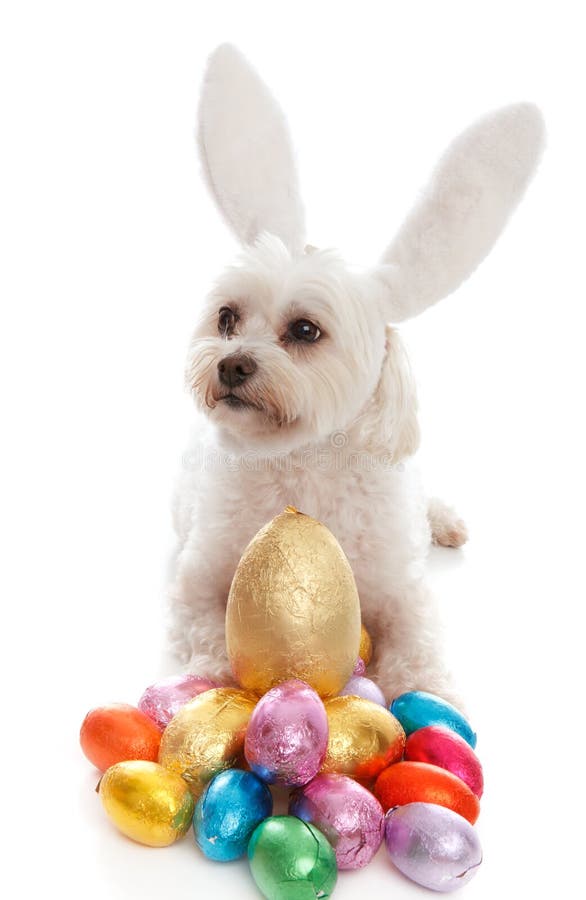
(444, 748)
(418, 782)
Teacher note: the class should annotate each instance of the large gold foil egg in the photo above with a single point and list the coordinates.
(207, 736)
(146, 802)
(364, 738)
(293, 609)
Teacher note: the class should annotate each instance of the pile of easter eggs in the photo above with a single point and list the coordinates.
(304, 718)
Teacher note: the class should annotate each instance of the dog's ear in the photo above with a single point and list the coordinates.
(390, 423)
(474, 189)
(246, 152)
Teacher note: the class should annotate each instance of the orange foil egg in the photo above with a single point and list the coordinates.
(116, 733)
(417, 782)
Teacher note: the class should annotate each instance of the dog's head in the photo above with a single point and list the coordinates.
(291, 343)
(288, 349)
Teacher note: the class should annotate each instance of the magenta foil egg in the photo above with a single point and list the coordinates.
(350, 816)
(163, 699)
(444, 748)
(287, 736)
(359, 686)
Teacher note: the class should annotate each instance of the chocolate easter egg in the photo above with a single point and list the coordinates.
(287, 736)
(228, 811)
(417, 782)
(163, 699)
(432, 846)
(444, 748)
(365, 648)
(346, 812)
(146, 802)
(117, 732)
(293, 608)
(364, 738)
(359, 686)
(417, 709)
(291, 860)
(207, 736)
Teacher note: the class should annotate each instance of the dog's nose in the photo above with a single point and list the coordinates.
(236, 368)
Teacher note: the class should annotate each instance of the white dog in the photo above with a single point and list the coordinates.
(306, 394)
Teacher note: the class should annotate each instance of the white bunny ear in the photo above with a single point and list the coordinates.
(246, 152)
(474, 189)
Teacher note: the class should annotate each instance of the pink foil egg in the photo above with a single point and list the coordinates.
(351, 818)
(444, 748)
(287, 736)
(360, 667)
(358, 686)
(163, 699)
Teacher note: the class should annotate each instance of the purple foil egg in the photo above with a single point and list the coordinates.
(287, 736)
(351, 817)
(360, 667)
(359, 686)
(432, 845)
(163, 699)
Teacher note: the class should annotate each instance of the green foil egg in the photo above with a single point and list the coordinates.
(291, 860)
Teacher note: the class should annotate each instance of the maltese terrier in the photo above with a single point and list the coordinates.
(304, 392)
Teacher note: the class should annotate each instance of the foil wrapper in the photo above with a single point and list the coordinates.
(346, 812)
(417, 782)
(146, 802)
(417, 709)
(287, 737)
(364, 738)
(293, 608)
(291, 860)
(117, 732)
(365, 649)
(227, 813)
(207, 736)
(163, 700)
(358, 686)
(446, 749)
(433, 846)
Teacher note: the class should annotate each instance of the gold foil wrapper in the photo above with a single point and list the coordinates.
(207, 736)
(364, 738)
(146, 802)
(293, 609)
(365, 650)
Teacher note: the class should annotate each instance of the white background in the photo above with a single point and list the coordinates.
(108, 242)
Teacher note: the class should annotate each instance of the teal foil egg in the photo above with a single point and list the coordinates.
(227, 813)
(418, 709)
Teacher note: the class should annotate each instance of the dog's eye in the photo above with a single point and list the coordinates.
(303, 330)
(227, 319)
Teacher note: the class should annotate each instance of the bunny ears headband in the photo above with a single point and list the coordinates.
(248, 161)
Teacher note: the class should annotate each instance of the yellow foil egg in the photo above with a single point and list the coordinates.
(365, 649)
(293, 609)
(146, 802)
(207, 736)
(364, 738)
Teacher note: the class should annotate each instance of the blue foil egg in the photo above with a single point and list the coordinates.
(418, 709)
(227, 813)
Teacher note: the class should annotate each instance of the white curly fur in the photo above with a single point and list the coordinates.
(330, 426)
